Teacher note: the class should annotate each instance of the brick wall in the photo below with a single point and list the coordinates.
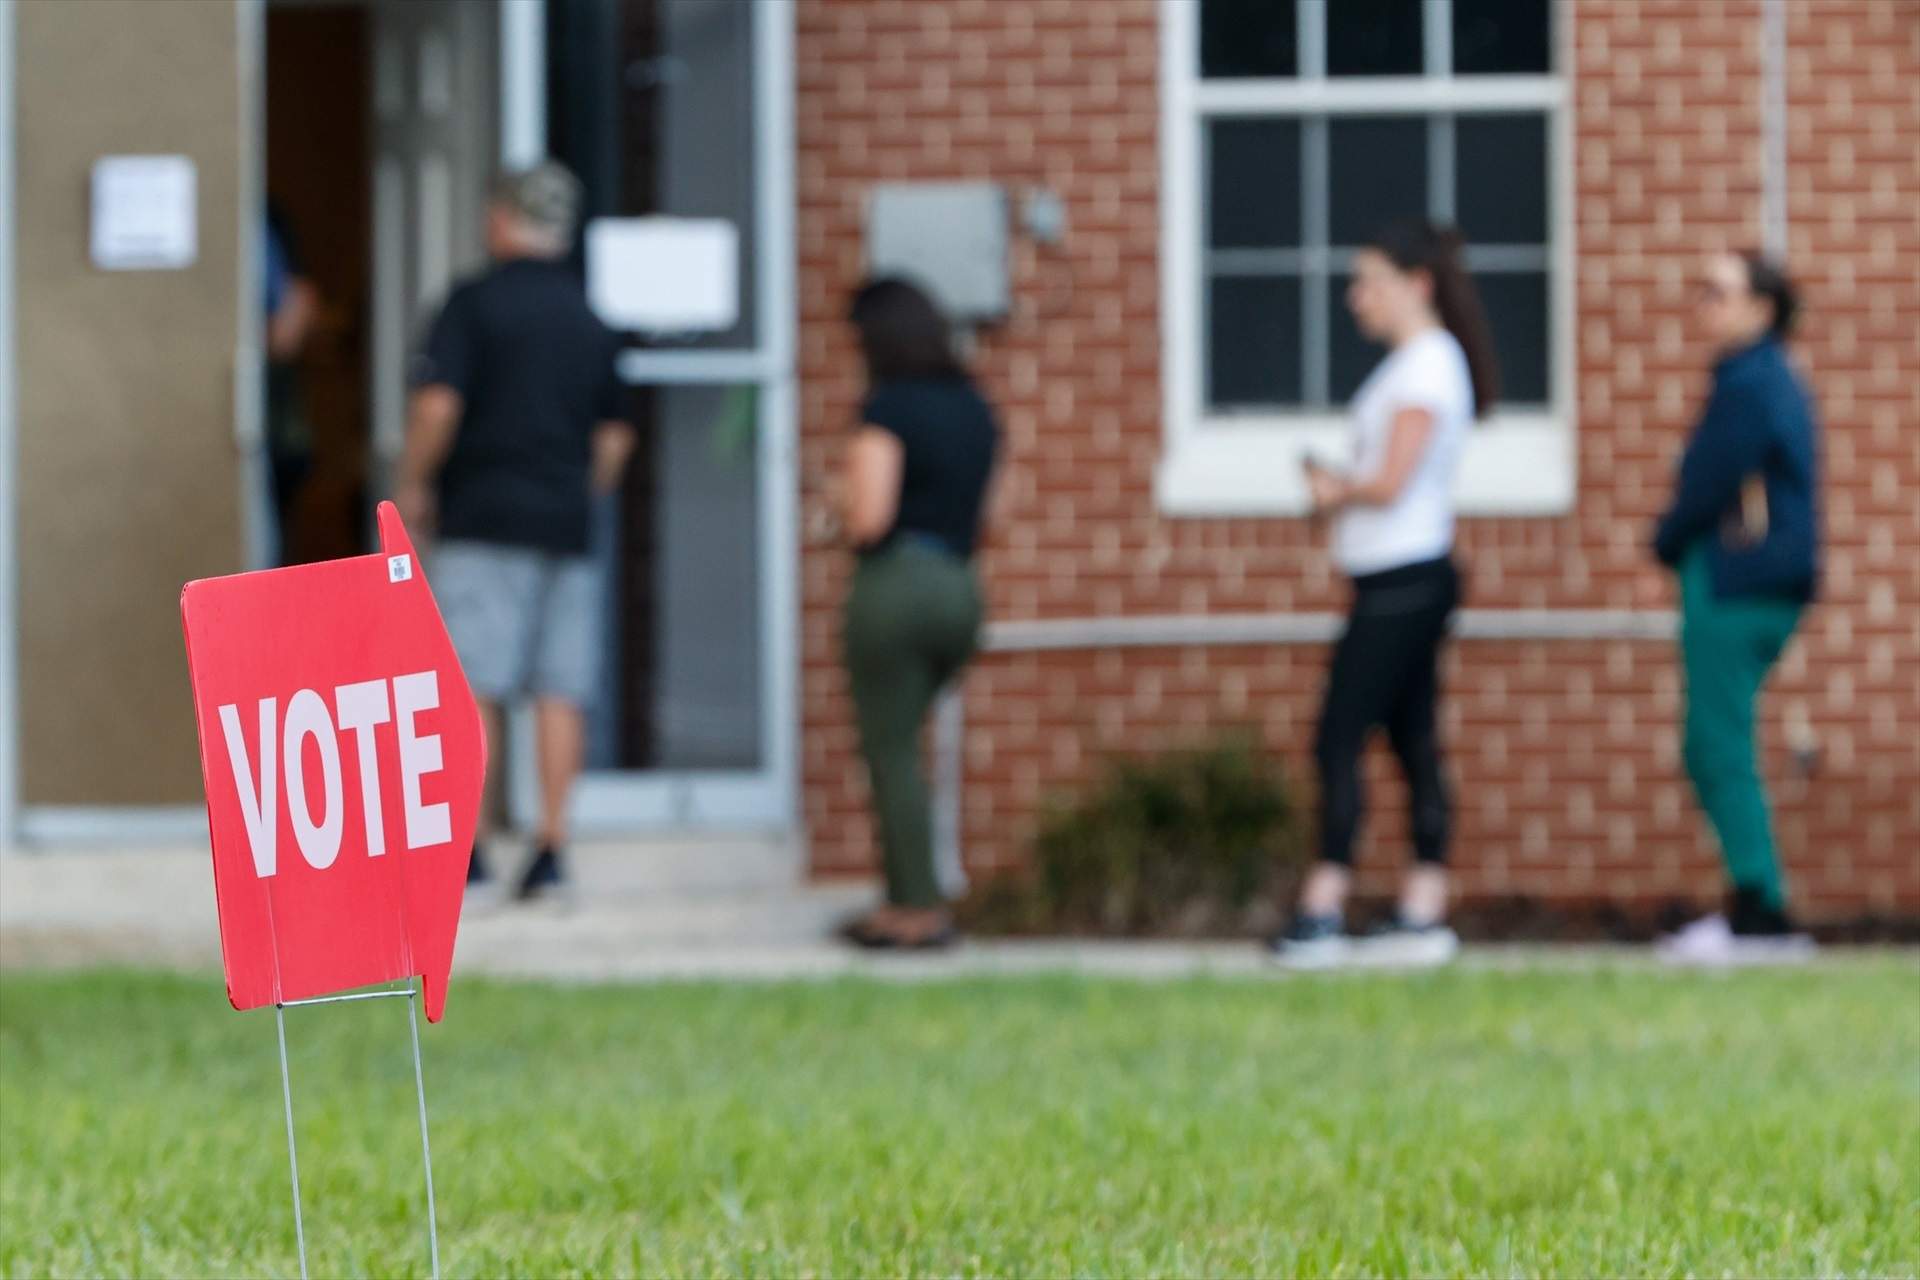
(1853, 80)
(1564, 751)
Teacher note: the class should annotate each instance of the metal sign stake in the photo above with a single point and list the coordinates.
(420, 1094)
(293, 1154)
(426, 1151)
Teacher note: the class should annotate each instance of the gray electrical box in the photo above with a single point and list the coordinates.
(950, 237)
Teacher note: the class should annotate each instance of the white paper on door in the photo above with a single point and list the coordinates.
(664, 275)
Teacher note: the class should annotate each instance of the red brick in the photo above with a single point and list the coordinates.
(1565, 752)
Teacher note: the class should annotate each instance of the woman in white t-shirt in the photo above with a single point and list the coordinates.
(1391, 512)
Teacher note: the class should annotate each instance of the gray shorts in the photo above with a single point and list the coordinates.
(523, 621)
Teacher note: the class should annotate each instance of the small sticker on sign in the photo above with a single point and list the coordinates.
(399, 568)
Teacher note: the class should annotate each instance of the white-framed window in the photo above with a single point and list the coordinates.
(1290, 131)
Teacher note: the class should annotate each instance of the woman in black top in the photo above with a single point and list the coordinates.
(916, 479)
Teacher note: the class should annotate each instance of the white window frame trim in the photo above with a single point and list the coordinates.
(1520, 463)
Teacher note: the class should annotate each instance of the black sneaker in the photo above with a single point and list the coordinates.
(1753, 931)
(544, 875)
(1311, 942)
(484, 892)
(1763, 932)
(1751, 915)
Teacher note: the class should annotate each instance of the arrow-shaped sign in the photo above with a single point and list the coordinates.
(343, 757)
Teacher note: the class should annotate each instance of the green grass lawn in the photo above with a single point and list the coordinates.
(1617, 1122)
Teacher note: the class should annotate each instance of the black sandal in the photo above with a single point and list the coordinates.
(857, 929)
(870, 939)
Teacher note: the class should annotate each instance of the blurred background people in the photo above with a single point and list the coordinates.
(514, 424)
(916, 478)
(1742, 532)
(292, 311)
(1391, 513)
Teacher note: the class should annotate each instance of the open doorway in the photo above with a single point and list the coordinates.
(379, 140)
(318, 161)
(384, 119)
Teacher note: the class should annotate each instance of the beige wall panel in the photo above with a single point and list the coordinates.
(127, 467)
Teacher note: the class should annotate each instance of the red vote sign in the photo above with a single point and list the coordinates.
(343, 757)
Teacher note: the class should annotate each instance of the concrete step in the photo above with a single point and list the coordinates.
(678, 866)
(155, 906)
(100, 886)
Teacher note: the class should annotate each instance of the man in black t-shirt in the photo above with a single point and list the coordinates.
(515, 422)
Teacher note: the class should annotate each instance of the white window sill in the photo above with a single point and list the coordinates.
(1515, 465)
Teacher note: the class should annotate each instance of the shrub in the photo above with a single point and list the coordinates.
(1189, 841)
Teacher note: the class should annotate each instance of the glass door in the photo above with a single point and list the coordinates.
(682, 108)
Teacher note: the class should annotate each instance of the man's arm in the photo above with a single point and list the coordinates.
(613, 443)
(433, 418)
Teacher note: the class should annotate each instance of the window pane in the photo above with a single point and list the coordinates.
(1501, 167)
(1378, 168)
(1494, 36)
(1247, 38)
(678, 549)
(1350, 354)
(651, 103)
(1373, 38)
(1253, 342)
(1517, 310)
(1253, 183)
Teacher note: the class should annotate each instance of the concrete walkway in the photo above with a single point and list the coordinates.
(635, 909)
(661, 910)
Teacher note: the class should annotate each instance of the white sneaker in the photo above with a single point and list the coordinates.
(1402, 946)
(1773, 948)
(1710, 942)
(1321, 953)
(1312, 942)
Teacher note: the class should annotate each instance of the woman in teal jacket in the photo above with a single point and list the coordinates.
(1743, 534)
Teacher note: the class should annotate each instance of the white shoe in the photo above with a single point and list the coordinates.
(1405, 947)
(1773, 948)
(1710, 942)
(1321, 953)
(1312, 943)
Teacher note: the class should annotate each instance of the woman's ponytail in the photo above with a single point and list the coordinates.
(1414, 244)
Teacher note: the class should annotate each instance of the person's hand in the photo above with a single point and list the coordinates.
(414, 498)
(1327, 489)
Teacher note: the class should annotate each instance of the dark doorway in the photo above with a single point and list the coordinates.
(317, 180)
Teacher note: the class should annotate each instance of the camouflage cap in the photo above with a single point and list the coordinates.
(546, 195)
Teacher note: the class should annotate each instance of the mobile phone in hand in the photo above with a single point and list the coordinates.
(1311, 462)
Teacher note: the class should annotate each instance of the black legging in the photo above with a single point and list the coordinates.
(1386, 672)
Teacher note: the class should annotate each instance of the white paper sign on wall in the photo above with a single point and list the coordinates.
(664, 275)
(145, 215)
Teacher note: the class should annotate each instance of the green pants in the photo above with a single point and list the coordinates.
(912, 621)
(1727, 648)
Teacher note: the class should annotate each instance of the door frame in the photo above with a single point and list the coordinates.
(35, 825)
(9, 617)
(765, 799)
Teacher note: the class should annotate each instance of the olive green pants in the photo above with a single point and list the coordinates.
(912, 621)
(1727, 647)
